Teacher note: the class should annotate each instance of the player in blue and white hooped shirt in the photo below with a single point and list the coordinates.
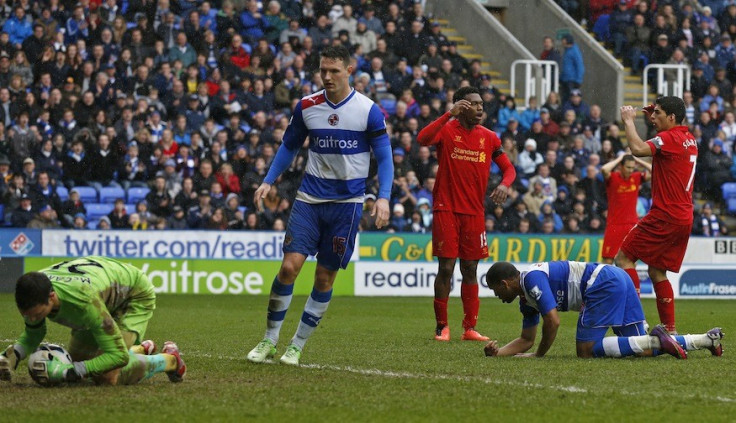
(605, 297)
(343, 127)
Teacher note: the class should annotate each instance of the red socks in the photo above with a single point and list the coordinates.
(634, 277)
(440, 311)
(665, 304)
(471, 304)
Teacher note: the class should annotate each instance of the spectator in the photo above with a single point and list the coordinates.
(708, 223)
(45, 219)
(638, 36)
(118, 216)
(177, 220)
(571, 74)
(620, 20)
(80, 221)
(104, 224)
(716, 168)
(529, 159)
(23, 213)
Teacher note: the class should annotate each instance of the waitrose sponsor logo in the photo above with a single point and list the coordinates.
(217, 277)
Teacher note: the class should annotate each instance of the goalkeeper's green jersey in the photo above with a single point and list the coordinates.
(94, 292)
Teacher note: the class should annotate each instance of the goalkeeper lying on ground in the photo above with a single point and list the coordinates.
(108, 305)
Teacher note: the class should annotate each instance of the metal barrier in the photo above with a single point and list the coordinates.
(540, 78)
(678, 82)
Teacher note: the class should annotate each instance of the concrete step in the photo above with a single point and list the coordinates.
(458, 39)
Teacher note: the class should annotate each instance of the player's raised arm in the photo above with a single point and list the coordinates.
(607, 168)
(638, 147)
(430, 134)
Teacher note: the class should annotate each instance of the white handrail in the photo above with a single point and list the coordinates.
(679, 86)
(549, 80)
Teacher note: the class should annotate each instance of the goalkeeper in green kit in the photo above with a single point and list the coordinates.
(107, 304)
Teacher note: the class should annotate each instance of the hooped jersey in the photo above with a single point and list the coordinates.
(553, 285)
(340, 140)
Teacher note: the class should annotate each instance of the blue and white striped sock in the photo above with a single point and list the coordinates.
(315, 308)
(278, 304)
(615, 346)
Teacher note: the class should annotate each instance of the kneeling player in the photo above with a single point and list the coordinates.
(605, 297)
(108, 305)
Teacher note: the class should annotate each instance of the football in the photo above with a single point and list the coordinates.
(43, 354)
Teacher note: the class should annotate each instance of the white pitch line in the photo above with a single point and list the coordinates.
(483, 380)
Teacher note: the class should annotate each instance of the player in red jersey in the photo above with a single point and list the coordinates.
(465, 150)
(660, 238)
(622, 190)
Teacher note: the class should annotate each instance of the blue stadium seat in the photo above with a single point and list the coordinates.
(92, 223)
(62, 192)
(110, 194)
(243, 209)
(87, 194)
(731, 205)
(2, 212)
(729, 190)
(130, 209)
(137, 194)
(645, 202)
(389, 105)
(97, 210)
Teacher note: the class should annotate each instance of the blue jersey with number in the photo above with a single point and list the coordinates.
(553, 285)
(340, 140)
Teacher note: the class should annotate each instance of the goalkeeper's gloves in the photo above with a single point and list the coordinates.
(9, 362)
(56, 371)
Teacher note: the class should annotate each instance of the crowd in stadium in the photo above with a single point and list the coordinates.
(184, 103)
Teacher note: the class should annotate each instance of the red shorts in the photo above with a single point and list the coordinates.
(459, 236)
(613, 238)
(657, 243)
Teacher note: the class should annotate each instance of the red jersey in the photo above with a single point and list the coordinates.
(673, 174)
(622, 197)
(464, 164)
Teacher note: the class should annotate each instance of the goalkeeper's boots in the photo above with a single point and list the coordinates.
(473, 335)
(181, 368)
(667, 343)
(5, 373)
(263, 351)
(715, 335)
(292, 355)
(442, 334)
(149, 347)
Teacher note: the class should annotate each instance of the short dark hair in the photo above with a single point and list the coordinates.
(627, 158)
(672, 105)
(461, 93)
(32, 289)
(499, 271)
(338, 52)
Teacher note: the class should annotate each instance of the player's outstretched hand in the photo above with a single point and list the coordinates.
(628, 113)
(491, 349)
(56, 371)
(460, 107)
(260, 194)
(499, 194)
(380, 210)
(526, 355)
(648, 110)
(8, 363)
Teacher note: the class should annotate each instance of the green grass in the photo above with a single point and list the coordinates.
(373, 359)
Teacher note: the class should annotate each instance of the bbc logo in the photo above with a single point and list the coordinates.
(725, 246)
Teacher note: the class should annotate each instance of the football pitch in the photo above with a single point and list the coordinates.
(373, 359)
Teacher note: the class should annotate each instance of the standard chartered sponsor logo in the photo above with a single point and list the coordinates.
(330, 142)
(179, 279)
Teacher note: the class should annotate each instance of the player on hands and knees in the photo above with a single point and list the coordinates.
(108, 305)
(660, 238)
(465, 150)
(605, 297)
(343, 127)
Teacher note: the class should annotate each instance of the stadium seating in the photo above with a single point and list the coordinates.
(97, 210)
(2, 213)
(110, 194)
(137, 194)
(731, 205)
(729, 190)
(601, 28)
(62, 192)
(389, 105)
(130, 209)
(87, 194)
(645, 203)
